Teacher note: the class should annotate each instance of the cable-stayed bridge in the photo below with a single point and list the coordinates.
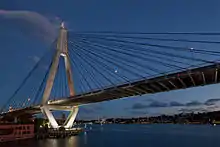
(88, 67)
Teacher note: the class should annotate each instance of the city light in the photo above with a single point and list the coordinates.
(62, 54)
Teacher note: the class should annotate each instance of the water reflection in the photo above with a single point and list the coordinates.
(133, 135)
(72, 141)
(19, 143)
(85, 137)
(67, 142)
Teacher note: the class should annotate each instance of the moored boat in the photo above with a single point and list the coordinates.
(13, 132)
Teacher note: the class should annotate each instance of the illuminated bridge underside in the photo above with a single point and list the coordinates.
(186, 79)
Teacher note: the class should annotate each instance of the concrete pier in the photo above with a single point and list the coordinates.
(57, 133)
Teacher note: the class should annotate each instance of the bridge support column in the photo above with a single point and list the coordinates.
(15, 120)
(62, 51)
(46, 111)
(71, 118)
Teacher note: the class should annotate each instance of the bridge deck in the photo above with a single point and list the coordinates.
(186, 79)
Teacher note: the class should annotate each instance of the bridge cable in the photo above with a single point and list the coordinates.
(26, 79)
(94, 67)
(161, 46)
(148, 59)
(150, 33)
(110, 60)
(77, 69)
(140, 52)
(92, 76)
(106, 57)
(84, 58)
(42, 85)
(84, 78)
(176, 48)
(105, 66)
(150, 38)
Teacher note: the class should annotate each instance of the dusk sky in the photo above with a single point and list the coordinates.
(27, 28)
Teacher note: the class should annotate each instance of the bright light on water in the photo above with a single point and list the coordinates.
(155, 135)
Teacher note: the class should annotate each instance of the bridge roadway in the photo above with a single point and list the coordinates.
(189, 78)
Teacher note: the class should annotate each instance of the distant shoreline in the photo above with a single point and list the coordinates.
(210, 118)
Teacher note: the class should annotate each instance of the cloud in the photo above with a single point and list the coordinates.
(211, 101)
(139, 106)
(32, 23)
(156, 104)
(190, 110)
(188, 107)
(153, 104)
(193, 103)
(175, 104)
(35, 59)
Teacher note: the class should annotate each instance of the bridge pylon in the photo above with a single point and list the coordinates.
(61, 52)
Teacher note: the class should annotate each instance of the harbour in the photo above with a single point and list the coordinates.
(57, 133)
(141, 135)
(109, 74)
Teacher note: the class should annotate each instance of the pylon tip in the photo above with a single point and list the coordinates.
(62, 25)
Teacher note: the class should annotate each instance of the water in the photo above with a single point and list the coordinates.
(134, 136)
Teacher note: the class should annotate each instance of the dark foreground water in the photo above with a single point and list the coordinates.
(134, 136)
